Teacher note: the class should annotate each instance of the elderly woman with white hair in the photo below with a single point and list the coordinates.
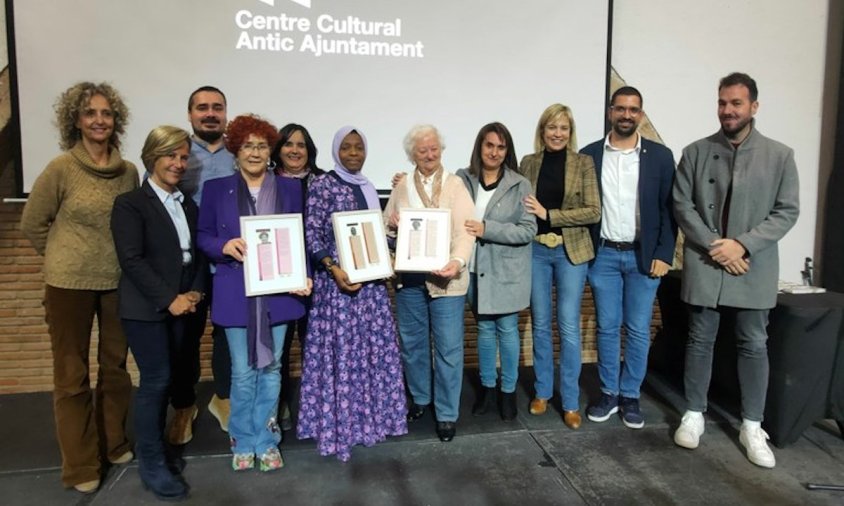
(430, 305)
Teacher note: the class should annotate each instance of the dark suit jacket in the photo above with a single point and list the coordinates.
(657, 228)
(150, 256)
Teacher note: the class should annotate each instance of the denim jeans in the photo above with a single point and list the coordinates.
(254, 394)
(551, 265)
(185, 358)
(221, 362)
(623, 295)
(155, 347)
(751, 342)
(496, 332)
(421, 318)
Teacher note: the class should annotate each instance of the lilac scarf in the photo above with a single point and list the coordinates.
(259, 339)
(355, 178)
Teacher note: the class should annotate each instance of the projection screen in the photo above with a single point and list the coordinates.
(380, 65)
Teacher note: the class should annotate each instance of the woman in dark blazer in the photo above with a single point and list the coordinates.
(566, 200)
(256, 343)
(154, 230)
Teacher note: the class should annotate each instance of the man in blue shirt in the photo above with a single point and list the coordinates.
(209, 159)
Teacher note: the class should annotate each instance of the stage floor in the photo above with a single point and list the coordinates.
(531, 461)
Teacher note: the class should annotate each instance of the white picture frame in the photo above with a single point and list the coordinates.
(362, 245)
(275, 260)
(423, 243)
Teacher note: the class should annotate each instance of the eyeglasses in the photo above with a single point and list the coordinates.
(620, 109)
(252, 147)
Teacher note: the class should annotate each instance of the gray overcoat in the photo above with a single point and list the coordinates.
(503, 254)
(763, 207)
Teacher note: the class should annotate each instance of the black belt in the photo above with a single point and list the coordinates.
(619, 246)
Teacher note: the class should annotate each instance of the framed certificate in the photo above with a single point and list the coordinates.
(275, 259)
(362, 245)
(424, 239)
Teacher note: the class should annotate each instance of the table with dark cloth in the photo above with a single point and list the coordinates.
(805, 350)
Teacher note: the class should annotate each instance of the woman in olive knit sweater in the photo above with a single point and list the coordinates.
(67, 220)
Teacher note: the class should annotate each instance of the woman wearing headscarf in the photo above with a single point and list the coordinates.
(499, 269)
(255, 326)
(67, 220)
(154, 230)
(352, 389)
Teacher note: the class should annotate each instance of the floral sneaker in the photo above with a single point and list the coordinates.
(243, 461)
(271, 460)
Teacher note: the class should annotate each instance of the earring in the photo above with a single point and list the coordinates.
(271, 165)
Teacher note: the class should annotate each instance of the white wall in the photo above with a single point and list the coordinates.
(675, 51)
(477, 66)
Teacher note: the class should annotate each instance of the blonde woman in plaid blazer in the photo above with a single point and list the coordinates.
(565, 201)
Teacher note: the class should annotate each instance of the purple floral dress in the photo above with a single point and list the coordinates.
(352, 384)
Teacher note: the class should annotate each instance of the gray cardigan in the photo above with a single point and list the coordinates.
(763, 207)
(503, 254)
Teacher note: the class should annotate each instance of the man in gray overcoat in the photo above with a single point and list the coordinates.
(735, 197)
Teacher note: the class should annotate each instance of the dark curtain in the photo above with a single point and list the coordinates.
(833, 234)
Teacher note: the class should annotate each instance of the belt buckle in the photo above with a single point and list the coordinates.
(550, 240)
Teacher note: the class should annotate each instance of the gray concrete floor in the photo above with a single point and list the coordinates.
(532, 461)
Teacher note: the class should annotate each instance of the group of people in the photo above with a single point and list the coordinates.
(149, 260)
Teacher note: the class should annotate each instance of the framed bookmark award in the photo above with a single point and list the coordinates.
(362, 245)
(424, 239)
(275, 260)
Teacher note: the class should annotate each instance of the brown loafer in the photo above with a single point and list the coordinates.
(181, 427)
(220, 409)
(538, 406)
(572, 419)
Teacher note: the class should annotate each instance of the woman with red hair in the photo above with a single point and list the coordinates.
(255, 326)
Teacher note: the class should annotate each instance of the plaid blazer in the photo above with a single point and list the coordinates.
(581, 202)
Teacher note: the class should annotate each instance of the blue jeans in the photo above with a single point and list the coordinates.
(623, 295)
(551, 265)
(421, 318)
(254, 394)
(155, 346)
(752, 346)
(496, 332)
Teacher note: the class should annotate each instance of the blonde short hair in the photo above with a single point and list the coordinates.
(162, 141)
(552, 113)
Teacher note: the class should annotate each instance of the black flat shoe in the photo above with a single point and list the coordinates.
(415, 412)
(158, 479)
(446, 431)
(176, 465)
(509, 411)
(485, 401)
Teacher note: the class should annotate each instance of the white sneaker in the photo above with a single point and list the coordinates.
(690, 430)
(754, 440)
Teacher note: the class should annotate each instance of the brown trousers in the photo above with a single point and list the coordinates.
(87, 426)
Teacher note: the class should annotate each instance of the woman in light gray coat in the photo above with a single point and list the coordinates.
(500, 266)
